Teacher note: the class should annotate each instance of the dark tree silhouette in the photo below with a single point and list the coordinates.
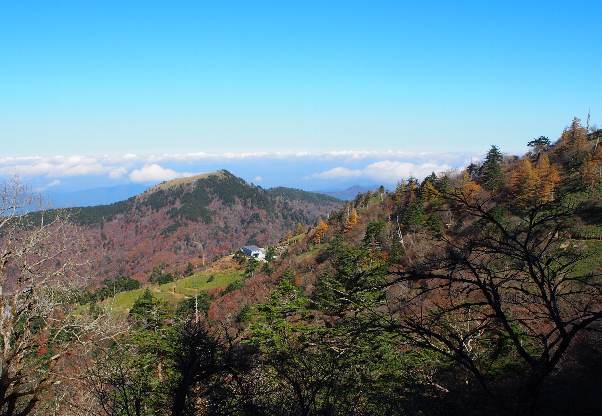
(491, 170)
(510, 279)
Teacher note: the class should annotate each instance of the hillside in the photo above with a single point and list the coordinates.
(464, 290)
(211, 281)
(474, 292)
(192, 220)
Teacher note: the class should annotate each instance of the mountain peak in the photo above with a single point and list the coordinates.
(186, 180)
(209, 214)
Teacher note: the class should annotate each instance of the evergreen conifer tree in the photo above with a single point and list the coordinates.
(491, 174)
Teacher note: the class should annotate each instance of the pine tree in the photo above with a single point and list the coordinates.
(473, 170)
(375, 235)
(539, 145)
(432, 178)
(411, 189)
(491, 170)
(400, 191)
(414, 216)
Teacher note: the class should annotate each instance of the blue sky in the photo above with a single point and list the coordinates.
(111, 78)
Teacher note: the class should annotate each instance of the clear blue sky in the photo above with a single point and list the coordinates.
(90, 77)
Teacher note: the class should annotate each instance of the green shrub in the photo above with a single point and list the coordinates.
(233, 286)
(159, 276)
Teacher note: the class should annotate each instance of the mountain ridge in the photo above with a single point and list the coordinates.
(349, 193)
(192, 220)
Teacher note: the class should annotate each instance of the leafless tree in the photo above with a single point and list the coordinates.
(505, 277)
(40, 273)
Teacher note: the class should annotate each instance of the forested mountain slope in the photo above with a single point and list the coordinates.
(192, 220)
(472, 293)
(467, 293)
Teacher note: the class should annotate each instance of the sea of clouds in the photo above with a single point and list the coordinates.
(308, 170)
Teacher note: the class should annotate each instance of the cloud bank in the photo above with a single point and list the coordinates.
(310, 170)
(386, 171)
(155, 173)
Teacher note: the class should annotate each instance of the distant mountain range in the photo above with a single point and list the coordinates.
(192, 219)
(349, 193)
(94, 196)
(111, 194)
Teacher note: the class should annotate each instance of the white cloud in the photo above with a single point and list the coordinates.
(386, 171)
(339, 173)
(154, 173)
(351, 155)
(381, 165)
(391, 171)
(54, 166)
(257, 179)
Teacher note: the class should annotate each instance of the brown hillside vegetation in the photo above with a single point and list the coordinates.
(191, 220)
(469, 293)
(499, 275)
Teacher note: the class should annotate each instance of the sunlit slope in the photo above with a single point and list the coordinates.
(216, 277)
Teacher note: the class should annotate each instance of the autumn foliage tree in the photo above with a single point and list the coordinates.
(591, 170)
(571, 148)
(429, 191)
(534, 183)
(468, 187)
(41, 272)
(351, 220)
(549, 178)
(524, 181)
(319, 232)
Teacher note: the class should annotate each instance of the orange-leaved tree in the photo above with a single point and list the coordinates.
(352, 220)
(549, 178)
(534, 183)
(524, 182)
(319, 231)
(591, 170)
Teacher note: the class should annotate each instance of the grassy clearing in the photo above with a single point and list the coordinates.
(177, 291)
(295, 238)
(312, 251)
(593, 263)
(589, 232)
